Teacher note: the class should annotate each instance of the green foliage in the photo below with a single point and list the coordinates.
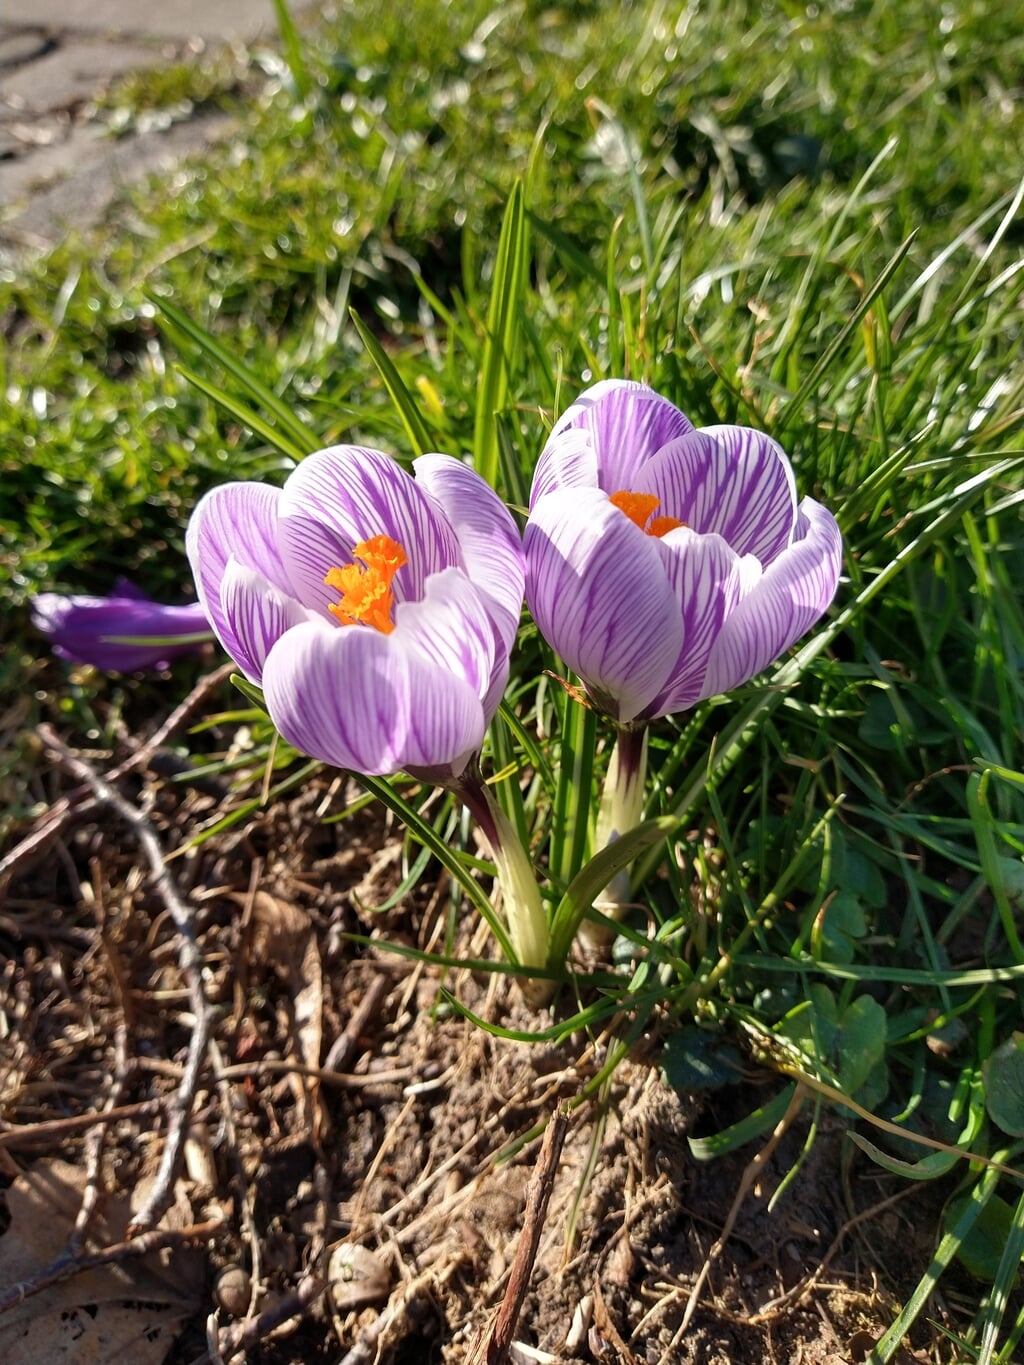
(804, 221)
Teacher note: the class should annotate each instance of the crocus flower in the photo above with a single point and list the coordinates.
(375, 609)
(667, 564)
(119, 633)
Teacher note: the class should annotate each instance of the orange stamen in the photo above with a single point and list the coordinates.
(367, 598)
(640, 508)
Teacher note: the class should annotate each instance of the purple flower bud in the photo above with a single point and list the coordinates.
(119, 633)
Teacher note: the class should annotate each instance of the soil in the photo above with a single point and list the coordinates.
(352, 1129)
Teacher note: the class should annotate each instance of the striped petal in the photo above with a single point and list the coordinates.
(257, 614)
(600, 595)
(235, 521)
(625, 423)
(373, 703)
(452, 627)
(568, 460)
(730, 481)
(790, 596)
(489, 541)
(705, 575)
(341, 496)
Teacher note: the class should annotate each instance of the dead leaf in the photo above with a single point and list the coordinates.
(132, 1309)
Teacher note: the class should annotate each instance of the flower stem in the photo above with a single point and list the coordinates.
(524, 910)
(621, 809)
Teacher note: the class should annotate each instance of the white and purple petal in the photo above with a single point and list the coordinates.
(451, 626)
(366, 701)
(791, 595)
(598, 590)
(489, 541)
(705, 575)
(732, 481)
(256, 615)
(626, 422)
(233, 521)
(344, 495)
(568, 460)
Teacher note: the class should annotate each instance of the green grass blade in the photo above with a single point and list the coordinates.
(277, 410)
(415, 427)
(503, 322)
(248, 416)
(421, 830)
(592, 879)
(294, 53)
(746, 1130)
(891, 1342)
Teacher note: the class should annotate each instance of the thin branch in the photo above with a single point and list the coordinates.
(65, 1267)
(31, 1134)
(190, 964)
(78, 804)
(493, 1345)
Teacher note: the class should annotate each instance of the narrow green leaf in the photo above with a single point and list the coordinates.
(294, 55)
(930, 1167)
(503, 317)
(280, 413)
(573, 806)
(248, 416)
(838, 343)
(415, 427)
(591, 881)
(446, 856)
(739, 1134)
(250, 691)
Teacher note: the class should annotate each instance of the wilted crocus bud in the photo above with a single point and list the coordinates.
(667, 564)
(120, 633)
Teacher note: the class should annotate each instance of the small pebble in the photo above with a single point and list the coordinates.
(233, 1291)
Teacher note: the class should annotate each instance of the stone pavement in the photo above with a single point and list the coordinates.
(58, 171)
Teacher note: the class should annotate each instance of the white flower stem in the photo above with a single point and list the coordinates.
(525, 916)
(621, 809)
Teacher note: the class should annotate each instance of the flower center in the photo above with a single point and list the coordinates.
(640, 508)
(365, 587)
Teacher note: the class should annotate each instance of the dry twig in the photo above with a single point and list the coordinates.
(191, 966)
(244, 1336)
(492, 1346)
(65, 1267)
(78, 804)
(30, 1135)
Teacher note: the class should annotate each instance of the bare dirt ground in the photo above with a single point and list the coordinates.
(228, 1132)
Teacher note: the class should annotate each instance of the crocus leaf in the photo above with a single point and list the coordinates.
(250, 690)
(595, 876)
(415, 427)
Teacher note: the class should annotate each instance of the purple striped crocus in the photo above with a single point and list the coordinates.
(375, 609)
(120, 633)
(667, 564)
